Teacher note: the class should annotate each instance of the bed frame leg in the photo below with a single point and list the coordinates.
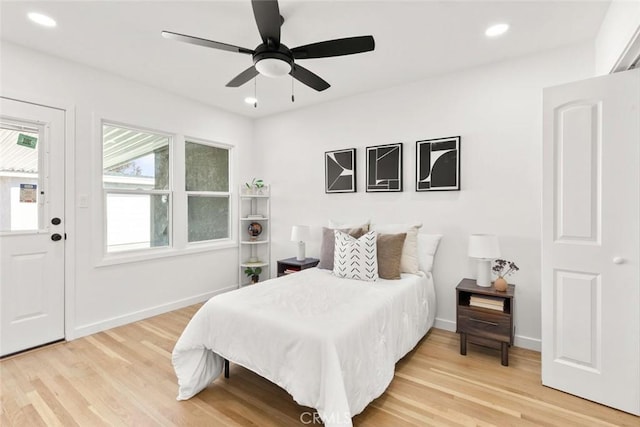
(226, 368)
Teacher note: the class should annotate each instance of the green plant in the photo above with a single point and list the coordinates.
(253, 271)
(257, 183)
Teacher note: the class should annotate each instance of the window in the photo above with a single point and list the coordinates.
(136, 177)
(208, 196)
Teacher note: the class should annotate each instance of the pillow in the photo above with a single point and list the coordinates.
(356, 258)
(328, 245)
(340, 225)
(409, 260)
(389, 248)
(427, 246)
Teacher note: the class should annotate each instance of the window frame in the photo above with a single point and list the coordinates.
(194, 193)
(178, 226)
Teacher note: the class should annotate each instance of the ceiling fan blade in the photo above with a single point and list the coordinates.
(267, 14)
(206, 43)
(337, 47)
(243, 77)
(307, 77)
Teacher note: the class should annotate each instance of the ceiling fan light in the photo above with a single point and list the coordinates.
(273, 67)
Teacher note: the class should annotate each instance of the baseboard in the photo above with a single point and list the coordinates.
(519, 340)
(103, 325)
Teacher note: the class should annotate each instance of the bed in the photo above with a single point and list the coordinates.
(330, 342)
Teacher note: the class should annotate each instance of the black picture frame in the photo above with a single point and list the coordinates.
(340, 171)
(438, 164)
(384, 168)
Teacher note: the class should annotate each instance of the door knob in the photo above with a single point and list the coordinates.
(618, 260)
(55, 237)
(55, 221)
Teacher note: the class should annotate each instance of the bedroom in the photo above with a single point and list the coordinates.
(495, 105)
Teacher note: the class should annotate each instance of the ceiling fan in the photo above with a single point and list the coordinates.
(272, 58)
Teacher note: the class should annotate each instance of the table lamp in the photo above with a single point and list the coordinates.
(485, 248)
(300, 234)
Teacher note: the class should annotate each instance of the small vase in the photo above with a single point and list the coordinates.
(255, 279)
(500, 284)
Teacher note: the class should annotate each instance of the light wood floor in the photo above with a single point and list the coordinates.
(123, 377)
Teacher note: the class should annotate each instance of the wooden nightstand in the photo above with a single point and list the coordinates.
(291, 265)
(490, 327)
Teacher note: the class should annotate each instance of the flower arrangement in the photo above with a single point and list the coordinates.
(503, 268)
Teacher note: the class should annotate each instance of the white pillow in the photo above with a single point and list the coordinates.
(356, 258)
(409, 260)
(427, 247)
(366, 224)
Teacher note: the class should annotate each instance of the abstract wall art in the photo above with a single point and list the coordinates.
(384, 168)
(438, 164)
(340, 171)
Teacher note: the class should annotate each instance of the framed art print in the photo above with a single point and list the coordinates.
(438, 164)
(384, 168)
(340, 171)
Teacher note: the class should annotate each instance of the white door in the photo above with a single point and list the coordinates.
(591, 239)
(31, 225)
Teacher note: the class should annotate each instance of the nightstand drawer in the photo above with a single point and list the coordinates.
(495, 326)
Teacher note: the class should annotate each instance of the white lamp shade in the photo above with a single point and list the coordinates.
(300, 233)
(484, 246)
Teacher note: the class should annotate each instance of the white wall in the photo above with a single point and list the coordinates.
(99, 297)
(620, 25)
(496, 109)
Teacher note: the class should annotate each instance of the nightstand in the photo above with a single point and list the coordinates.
(484, 316)
(291, 265)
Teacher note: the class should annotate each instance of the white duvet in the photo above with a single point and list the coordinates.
(332, 343)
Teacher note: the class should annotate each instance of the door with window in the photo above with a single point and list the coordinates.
(32, 226)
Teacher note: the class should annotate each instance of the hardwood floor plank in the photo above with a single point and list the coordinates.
(124, 377)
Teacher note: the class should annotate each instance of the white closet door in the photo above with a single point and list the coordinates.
(591, 239)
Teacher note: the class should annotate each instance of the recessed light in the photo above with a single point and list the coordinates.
(250, 100)
(41, 19)
(496, 30)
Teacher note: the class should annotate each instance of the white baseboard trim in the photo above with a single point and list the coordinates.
(519, 340)
(103, 325)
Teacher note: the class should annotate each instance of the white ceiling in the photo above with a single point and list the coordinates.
(414, 40)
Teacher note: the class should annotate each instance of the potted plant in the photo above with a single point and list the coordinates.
(254, 273)
(255, 184)
(503, 268)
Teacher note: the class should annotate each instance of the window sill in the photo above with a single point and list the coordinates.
(159, 253)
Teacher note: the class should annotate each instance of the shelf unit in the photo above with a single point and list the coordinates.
(254, 206)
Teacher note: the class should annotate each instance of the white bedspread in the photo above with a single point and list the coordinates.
(332, 343)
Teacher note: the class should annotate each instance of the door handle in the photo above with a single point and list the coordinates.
(55, 237)
(56, 221)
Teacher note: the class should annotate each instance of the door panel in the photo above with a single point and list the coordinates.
(31, 193)
(591, 240)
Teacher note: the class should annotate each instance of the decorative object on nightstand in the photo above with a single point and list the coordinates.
(485, 248)
(485, 316)
(254, 250)
(300, 234)
(293, 265)
(503, 268)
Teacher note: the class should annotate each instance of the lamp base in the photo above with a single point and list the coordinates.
(301, 255)
(484, 273)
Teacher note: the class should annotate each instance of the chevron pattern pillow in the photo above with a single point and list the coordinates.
(356, 258)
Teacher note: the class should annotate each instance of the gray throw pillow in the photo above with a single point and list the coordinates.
(328, 244)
